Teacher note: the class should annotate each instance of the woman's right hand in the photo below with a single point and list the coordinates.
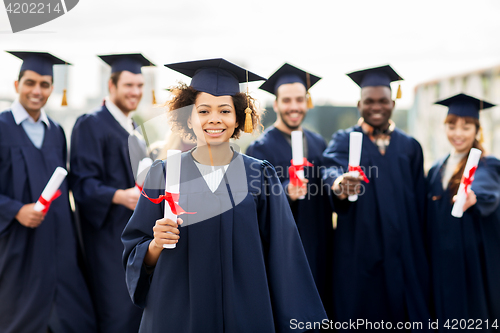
(166, 231)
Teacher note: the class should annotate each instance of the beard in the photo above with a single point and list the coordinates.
(287, 124)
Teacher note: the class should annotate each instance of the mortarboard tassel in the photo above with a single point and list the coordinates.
(310, 104)
(248, 112)
(154, 97)
(64, 99)
(399, 93)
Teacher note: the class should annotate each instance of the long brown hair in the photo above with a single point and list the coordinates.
(459, 170)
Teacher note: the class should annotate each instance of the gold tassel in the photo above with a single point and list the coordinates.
(310, 104)
(248, 118)
(399, 93)
(248, 121)
(481, 137)
(154, 98)
(64, 99)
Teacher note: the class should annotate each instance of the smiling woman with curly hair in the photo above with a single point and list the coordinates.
(238, 264)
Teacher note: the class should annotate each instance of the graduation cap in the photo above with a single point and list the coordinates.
(131, 62)
(290, 74)
(217, 77)
(41, 63)
(464, 105)
(377, 76)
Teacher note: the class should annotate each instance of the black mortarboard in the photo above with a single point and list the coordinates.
(378, 76)
(39, 62)
(289, 74)
(217, 77)
(126, 62)
(464, 105)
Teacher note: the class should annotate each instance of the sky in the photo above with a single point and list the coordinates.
(422, 40)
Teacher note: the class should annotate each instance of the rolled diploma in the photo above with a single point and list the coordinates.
(298, 153)
(52, 186)
(472, 161)
(355, 144)
(172, 181)
(142, 171)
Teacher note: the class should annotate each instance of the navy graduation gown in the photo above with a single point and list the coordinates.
(100, 164)
(39, 274)
(312, 215)
(243, 270)
(380, 267)
(465, 252)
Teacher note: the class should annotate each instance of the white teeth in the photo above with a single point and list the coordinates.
(214, 131)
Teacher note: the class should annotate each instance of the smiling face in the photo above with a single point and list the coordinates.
(376, 106)
(290, 106)
(127, 92)
(461, 132)
(34, 91)
(213, 119)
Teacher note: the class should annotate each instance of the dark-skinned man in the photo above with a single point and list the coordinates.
(312, 214)
(379, 268)
(102, 180)
(42, 289)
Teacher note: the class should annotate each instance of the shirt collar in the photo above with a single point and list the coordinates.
(20, 114)
(369, 130)
(120, 117)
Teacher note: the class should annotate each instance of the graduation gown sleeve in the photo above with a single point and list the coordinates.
(486, 186)
(139, 233)
(88, 169)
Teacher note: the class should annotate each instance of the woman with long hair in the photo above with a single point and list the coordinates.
(465, 252)
(238, 265)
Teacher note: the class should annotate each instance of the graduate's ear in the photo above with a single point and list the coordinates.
(16, 84)
(111, 86)
(359, 105)
(275, 105)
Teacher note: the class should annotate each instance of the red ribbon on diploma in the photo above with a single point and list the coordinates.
(173, 201)
(467, 181)
(361, 173)
(294, 168)
(46, 203)
(139, 187)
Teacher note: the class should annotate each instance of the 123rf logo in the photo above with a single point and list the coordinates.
(26, 14)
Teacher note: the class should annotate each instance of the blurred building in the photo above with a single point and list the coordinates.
(426, 119)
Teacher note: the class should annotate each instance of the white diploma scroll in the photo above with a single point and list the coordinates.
(142, 171)
(172, 183)
(52, 186)
(355, 144)
(298, 153)
(472, 161)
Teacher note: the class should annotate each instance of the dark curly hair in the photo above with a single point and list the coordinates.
(185, 96)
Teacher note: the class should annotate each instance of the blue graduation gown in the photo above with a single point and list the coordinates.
(100, 164)
(465, 252)
(38, 267)
(312, 215)
(243, 270)
(380, 269)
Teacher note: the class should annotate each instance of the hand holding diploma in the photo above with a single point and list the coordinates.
(297, 188)
(355, 145)
(32, 215)
(51, 190)
(463, 195)
(171, 196)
